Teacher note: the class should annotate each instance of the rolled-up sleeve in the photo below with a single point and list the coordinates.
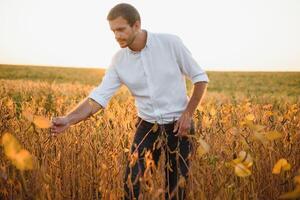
(187, 63)
(106, 89)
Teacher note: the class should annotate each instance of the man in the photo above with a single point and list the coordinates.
(153, 67)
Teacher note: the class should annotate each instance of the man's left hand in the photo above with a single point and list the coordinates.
(183, 124)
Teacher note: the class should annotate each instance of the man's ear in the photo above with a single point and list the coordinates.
(137, 24)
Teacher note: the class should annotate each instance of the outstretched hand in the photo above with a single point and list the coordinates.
(183, 125)
(59, 124)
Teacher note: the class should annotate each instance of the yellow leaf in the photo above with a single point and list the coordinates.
(250, 117)
(281, 165)
(155, 127)
(11, 145)
(246, 158)
(104, 166)
(259, 136)
(41, 122)
(242, 164)
(200, 151)
(286, 167)
(10, 103)
(228, 164)
(258, 127)
(242, 123)
(243, 158)
(206, 121)
(200, 108)
(212, 111)
(268, 113)
(126, 150)
(23, 160)
(244, 144)
(273, 135)
(203, 148)
(182, 182)
(28, 115)
(250, 124)
(291, 195)
(133, 158)
(241, 170)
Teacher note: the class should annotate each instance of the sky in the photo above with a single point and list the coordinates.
(222, 35)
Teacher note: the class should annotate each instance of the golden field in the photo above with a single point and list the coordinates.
(247, 122)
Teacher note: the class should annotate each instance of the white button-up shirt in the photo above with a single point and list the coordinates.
(154, 76)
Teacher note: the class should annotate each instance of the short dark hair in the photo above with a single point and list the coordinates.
(126, 11)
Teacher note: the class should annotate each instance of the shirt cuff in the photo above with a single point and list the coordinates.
(100, 100)
(200, 78)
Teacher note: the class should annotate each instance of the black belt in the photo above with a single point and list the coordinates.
(168, 125)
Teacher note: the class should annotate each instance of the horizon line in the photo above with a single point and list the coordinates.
(97, 67)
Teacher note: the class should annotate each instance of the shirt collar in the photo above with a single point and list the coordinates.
(148, 43)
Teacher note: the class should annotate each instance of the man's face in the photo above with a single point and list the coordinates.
(124, 33)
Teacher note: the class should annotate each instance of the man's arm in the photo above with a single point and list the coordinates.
(184, 122)
(81, 112)
(197, 96)
(97, 99)
(197, 75)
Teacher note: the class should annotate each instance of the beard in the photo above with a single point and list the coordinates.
(129, 41)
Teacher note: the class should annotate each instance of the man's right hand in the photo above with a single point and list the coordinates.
(82, 111)
(59, 124)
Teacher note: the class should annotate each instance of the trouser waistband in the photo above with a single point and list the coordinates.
(140, 120)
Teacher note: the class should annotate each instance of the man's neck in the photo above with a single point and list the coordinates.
(140, 41)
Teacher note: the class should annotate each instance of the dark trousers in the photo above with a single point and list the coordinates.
(177, 150)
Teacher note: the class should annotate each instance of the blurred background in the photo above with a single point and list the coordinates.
(231, 35)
